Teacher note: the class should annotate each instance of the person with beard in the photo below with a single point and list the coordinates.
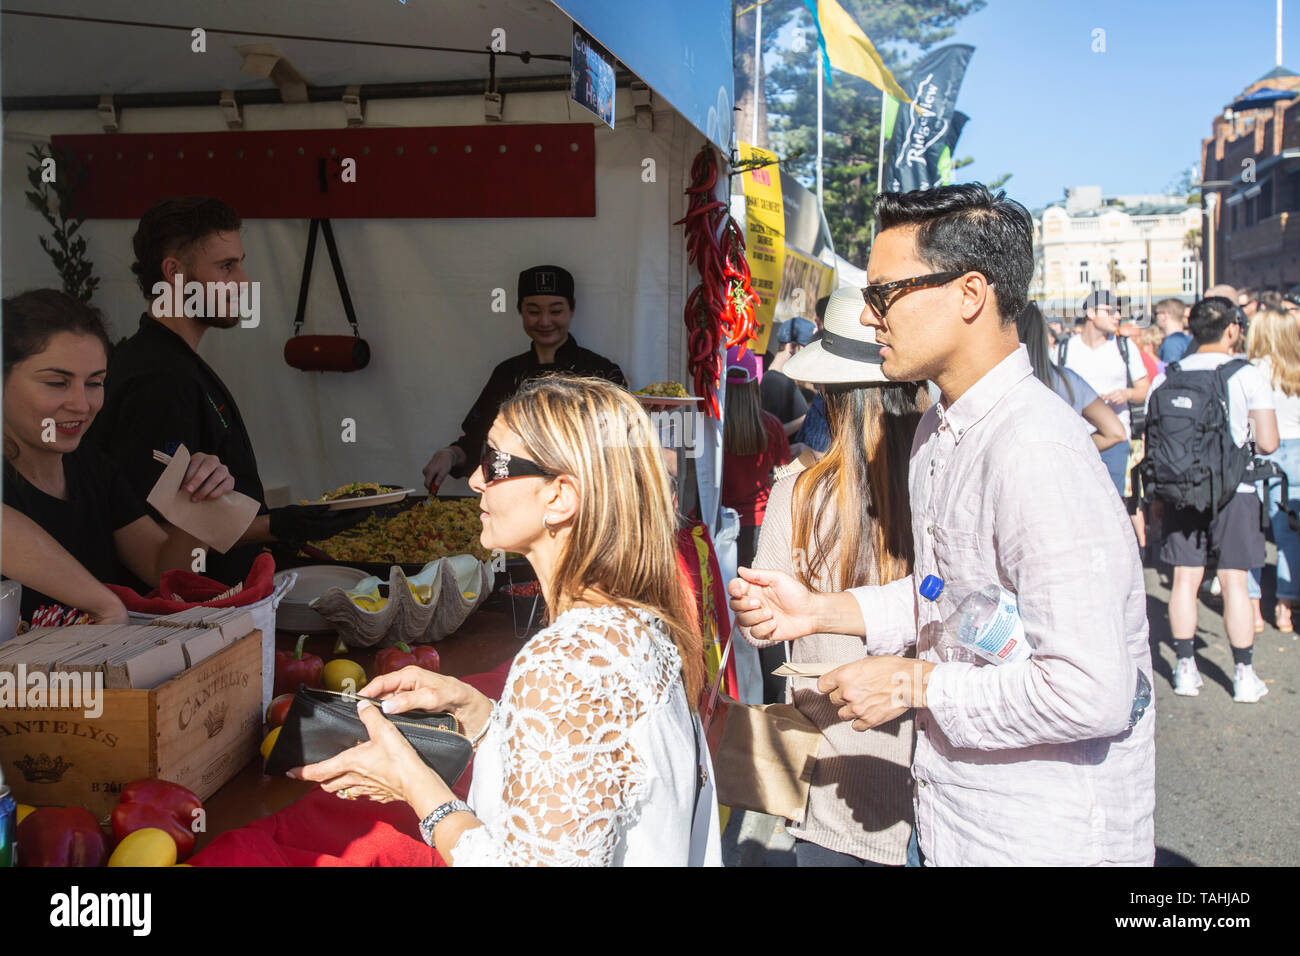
(159, 392)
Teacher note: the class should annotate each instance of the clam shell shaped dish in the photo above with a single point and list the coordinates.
(449, 589)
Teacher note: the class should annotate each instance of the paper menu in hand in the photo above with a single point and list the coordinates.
(217, 522)
(805, 669)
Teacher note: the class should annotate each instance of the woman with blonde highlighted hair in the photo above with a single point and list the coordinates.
(593, 756)
(1273, 346)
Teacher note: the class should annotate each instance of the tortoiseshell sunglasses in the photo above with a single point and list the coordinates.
(881, 297)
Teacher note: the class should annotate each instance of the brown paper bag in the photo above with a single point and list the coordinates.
(763, 757)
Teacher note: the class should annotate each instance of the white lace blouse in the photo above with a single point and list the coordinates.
(589, 758)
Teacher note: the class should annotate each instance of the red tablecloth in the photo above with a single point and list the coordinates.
(322, 830)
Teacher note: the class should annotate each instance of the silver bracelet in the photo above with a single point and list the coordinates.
(434, 818)
(484, 729)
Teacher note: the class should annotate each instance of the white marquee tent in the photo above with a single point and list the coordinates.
(423, 288)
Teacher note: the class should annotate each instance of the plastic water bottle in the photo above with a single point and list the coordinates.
(986, 621)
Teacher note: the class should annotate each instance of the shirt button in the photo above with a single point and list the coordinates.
(921, 784)
(929, 529)
(960, 431)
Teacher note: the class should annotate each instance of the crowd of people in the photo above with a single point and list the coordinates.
(1252, 335)
(928, 443)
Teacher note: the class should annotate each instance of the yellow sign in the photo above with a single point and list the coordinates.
(804, 280)
(764, 235)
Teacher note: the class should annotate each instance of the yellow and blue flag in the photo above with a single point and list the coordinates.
(847, 48)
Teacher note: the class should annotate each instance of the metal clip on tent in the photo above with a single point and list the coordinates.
(230, 110)
(108, 116)
(493, 102)
(325, 353)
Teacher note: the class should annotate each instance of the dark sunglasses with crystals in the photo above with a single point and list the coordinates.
(881, 297)
(500, 465)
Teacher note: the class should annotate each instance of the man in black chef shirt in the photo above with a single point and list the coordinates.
(546, 307)
(159, 392)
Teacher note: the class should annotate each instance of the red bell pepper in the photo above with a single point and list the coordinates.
(403, 655)
(157, 803)
(294, 667)
(61, 836)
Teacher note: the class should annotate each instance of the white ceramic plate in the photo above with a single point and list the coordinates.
(367, 501)
(295, 613)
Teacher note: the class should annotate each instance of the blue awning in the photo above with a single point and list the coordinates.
(680, 48)
(1265, 96)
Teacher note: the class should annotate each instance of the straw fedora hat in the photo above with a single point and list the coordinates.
(846, 353)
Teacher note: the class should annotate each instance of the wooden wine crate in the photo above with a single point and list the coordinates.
(197, 729)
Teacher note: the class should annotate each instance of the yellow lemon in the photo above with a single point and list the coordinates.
(371, 601)
(269, 743)
(23, 810)
(146, 847)
(342, 674)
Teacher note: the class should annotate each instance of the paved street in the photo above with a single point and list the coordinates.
(1227, 786)
(1227, 780)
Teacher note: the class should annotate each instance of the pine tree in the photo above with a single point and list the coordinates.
(902, 32)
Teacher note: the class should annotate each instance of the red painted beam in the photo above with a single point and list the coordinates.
(429, 172)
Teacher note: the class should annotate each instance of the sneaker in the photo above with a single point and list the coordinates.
(1187, 679)
(1246, 685)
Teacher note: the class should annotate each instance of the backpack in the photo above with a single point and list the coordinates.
(1136, 410)
(1191, 460)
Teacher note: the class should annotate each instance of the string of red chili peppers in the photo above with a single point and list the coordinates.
(722, 307)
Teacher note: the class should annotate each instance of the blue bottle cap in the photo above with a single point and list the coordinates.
(931, 587)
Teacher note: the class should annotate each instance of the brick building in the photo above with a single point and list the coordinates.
(1251, 188)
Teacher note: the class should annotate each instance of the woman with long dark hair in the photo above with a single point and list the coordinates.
(753, 444)
(1108, 430)
(844, 522)
(55, 361)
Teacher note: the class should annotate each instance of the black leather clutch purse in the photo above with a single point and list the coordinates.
(324, 723)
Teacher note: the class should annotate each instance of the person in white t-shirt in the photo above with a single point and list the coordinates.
(1234, 532)
(1275, 350)
(1097, 355)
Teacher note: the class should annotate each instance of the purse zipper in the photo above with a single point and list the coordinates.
(400, 723)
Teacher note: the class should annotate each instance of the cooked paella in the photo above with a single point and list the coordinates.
(435, 528)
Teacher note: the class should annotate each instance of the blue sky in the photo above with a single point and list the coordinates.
(1047, 109)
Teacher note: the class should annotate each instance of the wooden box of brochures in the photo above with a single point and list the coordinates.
(181, 702)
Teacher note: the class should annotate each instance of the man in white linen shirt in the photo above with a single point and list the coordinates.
(1036, 762)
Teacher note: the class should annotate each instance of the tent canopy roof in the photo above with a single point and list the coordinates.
(121, 58)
